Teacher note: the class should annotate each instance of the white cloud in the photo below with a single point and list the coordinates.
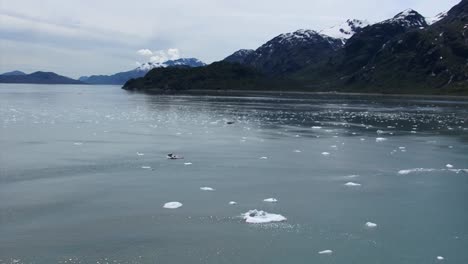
(160, 56)
(145, 52)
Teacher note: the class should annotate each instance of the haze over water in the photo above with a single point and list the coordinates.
(84, 177)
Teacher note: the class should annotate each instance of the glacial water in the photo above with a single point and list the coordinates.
(84, 178)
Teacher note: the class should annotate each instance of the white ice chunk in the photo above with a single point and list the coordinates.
(408, 171)
(449, 166)
(172, 205)
(187, 163)
(271, 200)
(146, 167)
(262, 217)
(325, 153)
(440, 258)
(371, 225)
(232, 203)
(326, 252)
(352, 184)
(206, 189)
(380, 139)
(140, 154)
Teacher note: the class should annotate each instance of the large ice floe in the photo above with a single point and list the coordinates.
(172, 205)
(261, 217)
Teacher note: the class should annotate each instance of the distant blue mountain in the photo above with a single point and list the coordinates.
(122, 77)
(13, 73)
(37, 78)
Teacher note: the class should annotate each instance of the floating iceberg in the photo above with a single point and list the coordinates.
(172, 205)
(326, 252)
(371, 225)
(408, 171)
(326, 153)
(352, 184)
(232, 203)
(206, 189)
(270, 200)
(262, 217)
(380, 139)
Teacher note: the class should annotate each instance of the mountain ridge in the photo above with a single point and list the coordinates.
(38, 77)
(403, 54)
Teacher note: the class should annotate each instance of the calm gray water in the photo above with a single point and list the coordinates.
(74, 190)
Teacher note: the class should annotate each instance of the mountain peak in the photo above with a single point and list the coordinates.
(13, 73)
(408, 18)
(239, 56)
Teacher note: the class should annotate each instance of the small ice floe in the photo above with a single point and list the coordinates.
(232, 203)
(362, 139)
(440, 258)
(262, 217)
(263, 158)
(206, 189)
(172, 205)
(78, 143)
(173, 156)
(188, 163)
(297, 151)
(371, 225)
(351, 176)
(146, 167)
(408, 171)
(326, 252)
(271, 200)
(140, 154)
(325, 153)
(449, 166)
(316, 127)
(352, 184)
(333, 146)
(380, 139)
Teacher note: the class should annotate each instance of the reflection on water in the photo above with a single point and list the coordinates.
(84, 177)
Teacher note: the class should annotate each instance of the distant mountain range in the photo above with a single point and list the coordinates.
(36, 78)
(408, 53)
(122, 77)
(116, 79)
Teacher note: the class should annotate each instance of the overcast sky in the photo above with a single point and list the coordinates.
(83, 37)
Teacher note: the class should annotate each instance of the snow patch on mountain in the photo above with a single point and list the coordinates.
(437, 18)
(345, 30)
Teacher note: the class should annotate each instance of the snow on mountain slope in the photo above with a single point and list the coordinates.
(345, 30)
(432, 20)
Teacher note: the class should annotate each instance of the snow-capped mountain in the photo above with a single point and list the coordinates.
(409, 18)
(140, 71)
(432, 20)
(239, 56)
(290, 51)
(345, 30)
(190, 62)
